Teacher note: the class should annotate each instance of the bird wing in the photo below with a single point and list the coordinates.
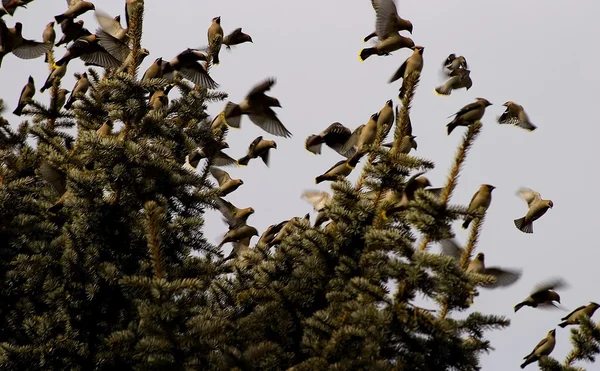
(261, 88)
(410, 183)
(551, 284)
(529, 195)
(451, 248)
(232, 34)
(269, 122)
(449, 60)
(70, 3)
(196, 73)
(254, 143)
(504, 277)
(317, 198)
(101, 58)
(222, 159)
(337, 136)
(573, 312)
(220, 175)
(226, 208)
(112, 45)
(468, 108)
(351, 143)
(399, 72)
(56, 178)
(542, 342)
(30, 49)
(108, 23)
(385, 19)
(336, 165)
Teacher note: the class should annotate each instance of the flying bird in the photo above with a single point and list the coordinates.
(238, 234)
(574, 317)
(112, 26)
(76, 8)
(481, 200)
(236, 37)
(258, 148)
(186, 63)
(270, 233)
(233, 216)
(387, 46)
(453, 63)
(334, 136)
(543, 295)
(543, 348)
(461, 78)
(387, 20)
(362, 137)
(72, 31)
(469, 114)
(537, 208)
(211, 151)
(515, 115)
(10, 6)
(89, 50)
(12, 41)
(226, 184)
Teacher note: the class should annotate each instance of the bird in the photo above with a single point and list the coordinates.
(186, 63)
(119, 49)
(159, 99)
(76, 8)
(469, 114)
(385, 118)
(60, 99)
(574, 317)
(543, 348)
(319, 199)
(238, 234)
(399, 201)
(105, 129)
(543, 295)
(57, 73)
(112, 26)
(412, 64)
(80, 89)
(10, 6)
(453, 63)
(385, 47)
(387, 20)
(212, 151)
(341, 169)
(257, 105)
(286, 230)
(236, 37)
(269, 234)
(154, 71)
(407, 143)
(258, 148)
(58, 181)
(537, 208)
(226, 184)
(26, 96)
(362, 137)
(131, 7)
(12, 41)
(49, 37)
(72, 31)
(481, 200)
(232, 215)
(334, 136)
(515, 115)
(89, 50)
(215, 39)
(461, 78)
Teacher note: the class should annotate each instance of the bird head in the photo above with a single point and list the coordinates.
(117, 18)
(375, 116)
(553, 295)
(273, 144)
(276, 102)
(507, 104)
(552, 332)
(480, 257)
(19, 26)
(250, 211)
(307, 217)
(30, 79)
(254, 232)
(239, 181)
(423, 181)
(145, 52)
(484, 101)
(419, 49)
(51, 24)
(390, 103)
(92, 6)
(489, 187)
(409, 28)
(84, 75)
(550, 204)
(249, 38)
(594, 304)
(223, 145)
(217, 20)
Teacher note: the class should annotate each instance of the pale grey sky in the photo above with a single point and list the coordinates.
(541, 54)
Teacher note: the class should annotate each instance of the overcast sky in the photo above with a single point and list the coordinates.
(543, 55)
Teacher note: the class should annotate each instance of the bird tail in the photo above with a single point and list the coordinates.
(369, 36)
(519, 306)
(18, 110)
(320, 178)
(313, 144)
(2, 54)
(46, 57)
(244, 161)
(467, 221)
(215, 58)
(451, 126)
(69, 102)
(55, 208)
(563, 324)
(366, 53)
(59, 18)
(523, 226)
(527, 362)
(443, 90)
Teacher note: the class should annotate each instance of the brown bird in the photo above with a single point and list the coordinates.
(26, 96)
(481, 200)
(236, 37)
(80, 89)
(515, 115)
(218, 157)
(319, 199)
(105, 129)
(340, 170)
(60, 99)
(186, 63)
(574, 317)
(469, 114)
(399, 201)
(258, 148)
(387, 21)
(460, 79)
(286, 230)
(72, 31)
(385, 47)
(57, 73)
(232, 215)
(453, 63)
(131, 7)
(160, 99)
(10, 6)
(119, 49)
(112, 26)
(412, 64)
(385, 119)
(76, 8)
(154, 71)
(335, 137)
(58, 180)
(543, 295)
(407, 143)
(362, 137)
(269, 234)
(537, 208)
(226, 184)
(257, 105)
(89, 50)
(12, 41)
(215, 38)
(238, 234)
(543, 348)
(49, 37)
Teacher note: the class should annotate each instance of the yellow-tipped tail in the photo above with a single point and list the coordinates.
(360, 58)
(384, 215)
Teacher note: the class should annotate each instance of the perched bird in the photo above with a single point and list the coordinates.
(89, 50)
(105, 129)
(286, 230)
(362, 137)
(154, 71)
(334, 136)
(56, 74)
(387, 20)
(385, 118)
(414, 63)
(238, 234)
(76, 8)
(60, 99)
(543, 348)
(212, 151)
(80, 89)
(236, 37)
(159, 99)
(469, 114)
(407, 143)
(460, 79)
(186, 63)
(72, 31)
(537, 208)
(399, 201)
(10, 6)
(26, 96)
(215, 38)
(574, 317)
(58, 180)
(112, 26)
(453, 63)
(257, 105)
(341, 169)
(270, 233)
(226, 184)
(385, 47)
(258, 148)
(515, 115)
(49, 37)
(481, 199)
(131, 6)
(12, 41)
(232, 215)
(543, 295)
